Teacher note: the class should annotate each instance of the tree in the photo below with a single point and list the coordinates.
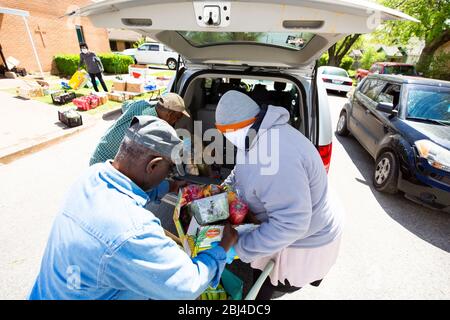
(338, 50)
(370, 56)
(434, 26)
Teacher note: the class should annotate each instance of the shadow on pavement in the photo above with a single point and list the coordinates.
(430, 225)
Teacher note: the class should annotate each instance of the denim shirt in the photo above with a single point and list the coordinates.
(105, 245)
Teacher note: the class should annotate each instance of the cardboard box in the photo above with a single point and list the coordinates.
(138, 71)
(195, 237)
(114, 96)
(28, 92)
(119, 85)
(137, 87)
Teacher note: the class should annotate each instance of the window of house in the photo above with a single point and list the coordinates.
(80, 34)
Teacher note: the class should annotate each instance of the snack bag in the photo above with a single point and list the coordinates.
(211, 190)
(192, 192)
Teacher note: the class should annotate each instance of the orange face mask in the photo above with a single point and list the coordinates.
(235, 126)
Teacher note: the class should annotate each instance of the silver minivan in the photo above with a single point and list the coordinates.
(266, 48)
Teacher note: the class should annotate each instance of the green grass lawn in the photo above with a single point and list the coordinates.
(109, 106)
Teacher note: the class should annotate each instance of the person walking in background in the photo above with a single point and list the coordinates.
(93, 65)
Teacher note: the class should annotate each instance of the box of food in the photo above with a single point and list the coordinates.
(119, 85)
(115, 96)
(210, 209)
(28, 92)
(196, 230)
(134, 86)
(138, 71)
(70, 118)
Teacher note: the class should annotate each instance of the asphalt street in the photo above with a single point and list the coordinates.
(391, 248)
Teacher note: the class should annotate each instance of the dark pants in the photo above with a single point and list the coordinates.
(269, 291)
(100, 78)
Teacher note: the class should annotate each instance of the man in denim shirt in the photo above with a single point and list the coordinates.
(105, 245)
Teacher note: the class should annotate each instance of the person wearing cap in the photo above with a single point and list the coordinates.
(280, 175)
(105, 245)
(169, 107)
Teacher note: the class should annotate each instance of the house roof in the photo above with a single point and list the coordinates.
(391, 51)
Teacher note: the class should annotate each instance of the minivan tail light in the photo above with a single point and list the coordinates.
(325, 154)
(326, 80)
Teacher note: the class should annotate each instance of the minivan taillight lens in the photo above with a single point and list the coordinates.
(326, 80)
(325, 154)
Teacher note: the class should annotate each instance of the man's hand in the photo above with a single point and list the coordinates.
(251, 218)
(229, 238)
(175, 185)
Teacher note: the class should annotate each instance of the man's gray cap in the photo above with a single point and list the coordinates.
(158, 136)
(235, 107)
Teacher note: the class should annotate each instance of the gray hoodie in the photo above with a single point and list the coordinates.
(92, 62)
(290, 196)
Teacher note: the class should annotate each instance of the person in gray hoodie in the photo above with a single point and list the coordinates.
(280, 175)
(94, 66)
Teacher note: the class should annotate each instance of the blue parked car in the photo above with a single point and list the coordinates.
(404, 123)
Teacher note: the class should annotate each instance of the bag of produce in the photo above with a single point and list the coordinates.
(192, 192)
(238, 211)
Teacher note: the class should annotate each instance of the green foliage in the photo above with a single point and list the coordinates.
(66, 64)
(370, 56)
(346, 63)
(439, 67)
(139, 43)
(115, 63)
(323, 59)
(433, 16)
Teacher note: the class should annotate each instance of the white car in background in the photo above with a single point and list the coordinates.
(336, 79)
(156, 53)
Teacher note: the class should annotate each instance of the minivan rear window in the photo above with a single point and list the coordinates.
(294, 41)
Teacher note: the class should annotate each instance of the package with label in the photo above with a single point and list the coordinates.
(138, 71)
(79, 79)
(210, 209)
(82, 103)
(200, 215)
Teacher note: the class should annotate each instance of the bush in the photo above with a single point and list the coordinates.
(439, 67)
(346, 63)
(115, 63)
(323, 59)
(370, 56)
(67, 64)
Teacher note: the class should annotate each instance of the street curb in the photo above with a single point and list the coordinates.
(18, 152)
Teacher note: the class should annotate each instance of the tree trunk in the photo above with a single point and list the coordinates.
(430, 48)
(337, 52)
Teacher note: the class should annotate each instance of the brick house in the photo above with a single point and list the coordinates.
(52, 33)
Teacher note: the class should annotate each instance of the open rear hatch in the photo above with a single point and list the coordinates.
(265, 33)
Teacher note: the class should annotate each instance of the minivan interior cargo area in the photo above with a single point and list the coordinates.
(201, 98)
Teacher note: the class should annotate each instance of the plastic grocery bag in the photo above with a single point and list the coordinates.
(232, 284)
(78, 80)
